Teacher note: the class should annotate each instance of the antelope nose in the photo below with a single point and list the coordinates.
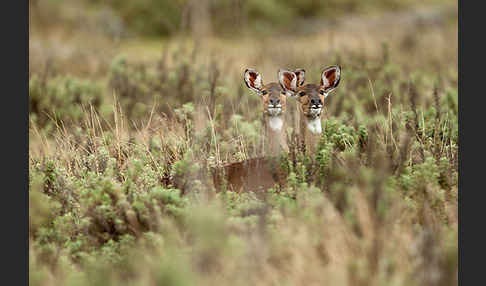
(316, 101)
(274, 101)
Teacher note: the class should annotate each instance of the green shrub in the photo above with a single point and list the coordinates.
(63, 99)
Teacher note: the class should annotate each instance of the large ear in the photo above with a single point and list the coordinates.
(300, 73)
(330, 78)
(288, 80)
(253, 80)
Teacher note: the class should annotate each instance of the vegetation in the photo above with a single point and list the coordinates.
(163, 18)
(120, 159)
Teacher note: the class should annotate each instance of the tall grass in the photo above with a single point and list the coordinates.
(120, 185)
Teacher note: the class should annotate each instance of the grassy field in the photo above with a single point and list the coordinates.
(124, 132)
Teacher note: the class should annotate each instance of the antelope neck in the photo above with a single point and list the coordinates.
(314, 124)
(275, 135)
(310, 130)
(275, 122)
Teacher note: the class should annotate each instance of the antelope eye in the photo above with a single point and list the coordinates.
(283, 92)
(301, 93)
(264, 92)
(321, 92)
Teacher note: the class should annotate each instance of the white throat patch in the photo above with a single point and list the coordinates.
(276, 123)
(274, 111)
(314, 125)
(315, 111)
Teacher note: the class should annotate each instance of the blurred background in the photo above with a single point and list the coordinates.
(81, 37)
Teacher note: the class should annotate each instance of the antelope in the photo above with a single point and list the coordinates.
(262, 172)
(292, 105)
(274, 101)
(311, 100)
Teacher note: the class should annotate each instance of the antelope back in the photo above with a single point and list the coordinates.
(249, 175)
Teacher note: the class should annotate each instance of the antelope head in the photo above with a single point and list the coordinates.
(310, 96)
(273, 95)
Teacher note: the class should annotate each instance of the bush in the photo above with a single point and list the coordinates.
(133, 204)
(66, 100)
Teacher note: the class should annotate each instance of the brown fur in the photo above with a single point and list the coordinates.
(294, 107)
(250, 175)
(263, 172)
(331, 75)
(300, 76)
(305, 94)
(277, 140)
(253, 76)
(310, 91)
(274, 91)
(307, 138)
